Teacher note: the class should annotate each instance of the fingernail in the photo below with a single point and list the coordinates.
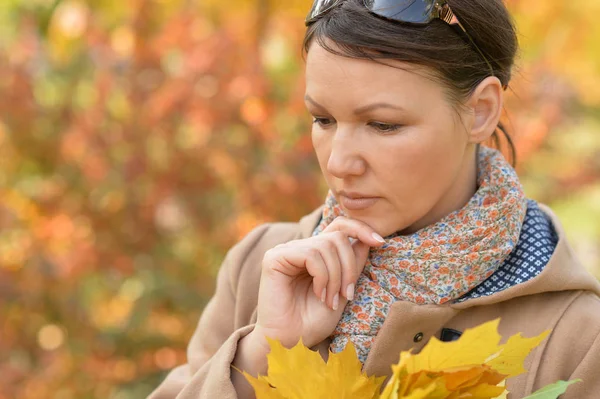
(336, 301)
(350, 292)
(378, 237)
(323, 294)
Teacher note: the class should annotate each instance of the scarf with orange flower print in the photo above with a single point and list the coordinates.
(439, 263)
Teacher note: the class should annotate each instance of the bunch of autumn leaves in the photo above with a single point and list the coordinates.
(475, 366)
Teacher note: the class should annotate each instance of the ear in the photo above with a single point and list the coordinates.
(486, 104)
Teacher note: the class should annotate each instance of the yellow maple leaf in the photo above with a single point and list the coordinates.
(479, 345)
(475, 366)
(512, 356)
(299, 373)
(420, 393)
(479, 381)
(474, 347)
(262, 388)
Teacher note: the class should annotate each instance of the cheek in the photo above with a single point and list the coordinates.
(423, 167)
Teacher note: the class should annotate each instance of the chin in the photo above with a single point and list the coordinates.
(387, 227)
(376, 218)
(377, 223)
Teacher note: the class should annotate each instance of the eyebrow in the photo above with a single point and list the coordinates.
(360, 110)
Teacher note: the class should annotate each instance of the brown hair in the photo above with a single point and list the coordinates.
(456, 64)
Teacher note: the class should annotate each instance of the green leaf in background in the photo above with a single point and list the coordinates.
(552, 391)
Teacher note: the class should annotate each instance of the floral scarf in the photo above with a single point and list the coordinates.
(439, 263)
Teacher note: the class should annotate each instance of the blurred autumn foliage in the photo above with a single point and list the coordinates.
(140, 139)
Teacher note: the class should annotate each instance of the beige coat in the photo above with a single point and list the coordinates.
(564, 298)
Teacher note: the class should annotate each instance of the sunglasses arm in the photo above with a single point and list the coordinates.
(450, 18)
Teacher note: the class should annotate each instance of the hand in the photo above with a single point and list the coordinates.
(305, 284)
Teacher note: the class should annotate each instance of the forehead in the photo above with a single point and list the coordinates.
(330, 75)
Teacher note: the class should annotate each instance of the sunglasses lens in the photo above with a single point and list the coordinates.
(415, 11)
(320, 6)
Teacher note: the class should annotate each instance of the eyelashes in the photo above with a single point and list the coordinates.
(377, 126)
(322, 122)
(385, 127)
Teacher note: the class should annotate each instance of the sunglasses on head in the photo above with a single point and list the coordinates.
(409, 11)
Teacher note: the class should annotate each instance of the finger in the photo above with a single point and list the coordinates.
(316, 267)
(356, 229)
(302, 257)
(330, 255)
(347, 258)
(361, 253)
(286, 259)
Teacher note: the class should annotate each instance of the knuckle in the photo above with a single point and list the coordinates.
(343, 240)
(269, 259)
(335, 279)
(313, 253)
(328, 245)
(339, 236)
(270, 254)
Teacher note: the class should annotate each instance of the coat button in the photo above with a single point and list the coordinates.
(418, 337)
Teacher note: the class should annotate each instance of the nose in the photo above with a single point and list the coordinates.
(345, 158)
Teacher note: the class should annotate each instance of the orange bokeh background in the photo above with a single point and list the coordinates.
(140, 139)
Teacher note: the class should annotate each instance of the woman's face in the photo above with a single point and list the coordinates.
(392, 134)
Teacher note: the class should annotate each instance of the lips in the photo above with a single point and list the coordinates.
(356, 201)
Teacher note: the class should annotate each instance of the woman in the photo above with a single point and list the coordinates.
(425, 232)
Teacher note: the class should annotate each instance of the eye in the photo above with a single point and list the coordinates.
(385, 127)
(322, 122)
